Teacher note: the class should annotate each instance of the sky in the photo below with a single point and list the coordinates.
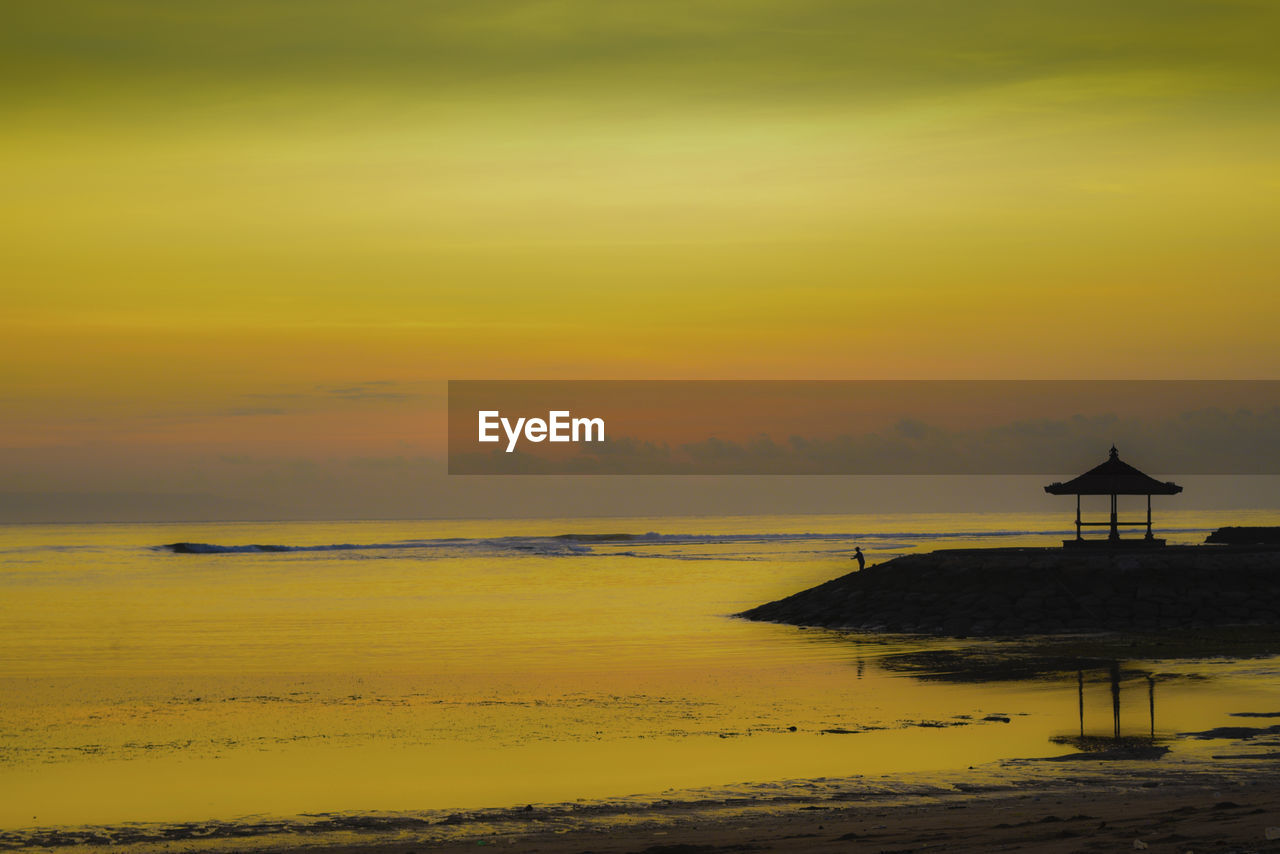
(245, 244)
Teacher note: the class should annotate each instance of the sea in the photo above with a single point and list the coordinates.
(269, 677)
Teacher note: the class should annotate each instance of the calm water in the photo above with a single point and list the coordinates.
(445, 665)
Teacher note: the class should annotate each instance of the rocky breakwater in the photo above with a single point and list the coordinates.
(964, 592)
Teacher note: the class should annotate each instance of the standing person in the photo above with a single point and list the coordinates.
(857, 555)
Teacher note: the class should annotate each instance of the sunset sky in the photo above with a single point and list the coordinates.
(245, 244)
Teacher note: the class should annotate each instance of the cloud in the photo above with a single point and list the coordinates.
(1202, 441)
(371, 390)
(253, 410)
(782, 49)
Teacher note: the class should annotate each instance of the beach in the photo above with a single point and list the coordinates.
(1104, 812)
(650, 427)
(1088, 806)
(574, 685)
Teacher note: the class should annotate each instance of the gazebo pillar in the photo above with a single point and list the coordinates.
(1078, 534)
(1149, 537)
(1115, 524)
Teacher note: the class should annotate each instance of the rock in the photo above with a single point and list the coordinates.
(1241, 535)
(1015, 591)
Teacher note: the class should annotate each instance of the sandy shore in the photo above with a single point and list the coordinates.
(1066, 805)
(1082, 810)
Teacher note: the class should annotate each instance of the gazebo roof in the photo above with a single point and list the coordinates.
(1114, 477)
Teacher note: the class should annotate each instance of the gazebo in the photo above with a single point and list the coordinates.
(1114, 477)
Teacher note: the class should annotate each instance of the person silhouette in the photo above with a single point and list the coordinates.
(857, 555)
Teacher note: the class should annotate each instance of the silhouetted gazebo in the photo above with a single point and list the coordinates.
(1114, 477)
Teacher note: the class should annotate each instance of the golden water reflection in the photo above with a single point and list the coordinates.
(142, 685)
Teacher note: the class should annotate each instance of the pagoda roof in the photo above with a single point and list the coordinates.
(1114, 477)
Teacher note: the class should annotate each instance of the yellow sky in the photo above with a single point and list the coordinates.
(216, 214)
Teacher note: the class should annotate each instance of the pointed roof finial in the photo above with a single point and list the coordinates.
(1114, 452)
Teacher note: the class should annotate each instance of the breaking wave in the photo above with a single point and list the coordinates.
(618, 544)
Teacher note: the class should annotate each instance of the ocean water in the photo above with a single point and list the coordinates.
(287, 670)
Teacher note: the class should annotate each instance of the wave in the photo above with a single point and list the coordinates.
(552, 545)
(591, 543)
(540, 545)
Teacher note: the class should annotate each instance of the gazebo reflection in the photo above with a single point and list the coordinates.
(1052, 663)
(1145, 744)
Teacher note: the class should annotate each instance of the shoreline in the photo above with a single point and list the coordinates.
(1088, 803)
(1109, 811)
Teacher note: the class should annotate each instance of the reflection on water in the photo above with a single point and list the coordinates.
(442, 666)
(1095, 665)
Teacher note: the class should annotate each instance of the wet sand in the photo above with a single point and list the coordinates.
(1107, 806)
(1126, 795)
(1099, 810)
